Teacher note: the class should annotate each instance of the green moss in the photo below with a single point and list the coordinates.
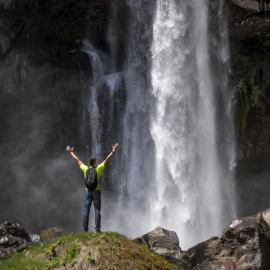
(248, 61)
(19, 262)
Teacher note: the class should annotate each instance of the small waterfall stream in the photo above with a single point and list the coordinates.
(173, 119)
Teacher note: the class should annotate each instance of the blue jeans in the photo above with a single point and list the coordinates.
(90, 196)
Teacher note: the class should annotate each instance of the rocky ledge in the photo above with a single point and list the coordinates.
(244, 245)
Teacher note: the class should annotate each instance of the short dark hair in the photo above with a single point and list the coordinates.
(91, 161)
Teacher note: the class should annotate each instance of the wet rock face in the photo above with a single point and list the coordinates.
(13, 239)
(41, 100)
(250, 58)
(254, 5)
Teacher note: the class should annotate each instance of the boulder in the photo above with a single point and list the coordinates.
(199, 253)
(161, 241)
(13, 239)
(14, 229)
(35, 238)
(220, 265)
(166, 244)
(11, 245)
(51, 234)
(254, 5)
(245, 244)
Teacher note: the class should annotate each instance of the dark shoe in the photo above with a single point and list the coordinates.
(85, 231)
(98, 231)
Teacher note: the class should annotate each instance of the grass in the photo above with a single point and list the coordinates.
(88, 251)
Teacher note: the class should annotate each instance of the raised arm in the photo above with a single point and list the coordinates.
(109, 157)
(70, 150)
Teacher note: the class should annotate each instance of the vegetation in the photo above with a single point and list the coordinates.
(249, 61)
(87, 251)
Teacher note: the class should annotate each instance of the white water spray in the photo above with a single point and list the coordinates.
(175, 163)
(178, 181)
(183, 122)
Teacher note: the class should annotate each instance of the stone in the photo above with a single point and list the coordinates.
(161, 241)
(248, 4)
(7, 37)
(13, 239)
(35, 238)
(166, 244)
(220, 265)
(78, 41)
(73, 51)
(14, 229)
(50, 235)
(245, 244)
(199, 253)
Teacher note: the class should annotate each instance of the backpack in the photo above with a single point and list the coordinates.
(91, 181)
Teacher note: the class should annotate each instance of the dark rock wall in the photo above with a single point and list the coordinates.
(41, 108)
(250, 62)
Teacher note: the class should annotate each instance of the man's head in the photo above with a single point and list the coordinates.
(92, 162)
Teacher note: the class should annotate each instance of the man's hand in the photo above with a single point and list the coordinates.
(69, 149)
(109, 157)
(114, 147)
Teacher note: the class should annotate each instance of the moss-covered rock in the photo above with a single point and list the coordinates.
(250, 66)
(102, 251)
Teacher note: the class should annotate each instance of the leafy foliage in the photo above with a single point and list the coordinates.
(71, 252)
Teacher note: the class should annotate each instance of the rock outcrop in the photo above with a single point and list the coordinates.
(41, 90)
(249, 47)
(13, 239)
(202, 251)
(244, 245)
(14, 229)
(50, 235)
(166, 244)
(253, 5)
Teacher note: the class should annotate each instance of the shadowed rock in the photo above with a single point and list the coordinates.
(220, 265)
(199, 253)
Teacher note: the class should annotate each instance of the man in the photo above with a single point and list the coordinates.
(92, 195)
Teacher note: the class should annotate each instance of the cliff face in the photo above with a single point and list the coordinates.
(43, 73)
(249, 24)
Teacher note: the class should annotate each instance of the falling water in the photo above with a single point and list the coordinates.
(175, 164)
(184, 122)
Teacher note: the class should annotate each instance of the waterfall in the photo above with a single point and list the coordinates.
(104, 99)
(185, 119)
(174, 122)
